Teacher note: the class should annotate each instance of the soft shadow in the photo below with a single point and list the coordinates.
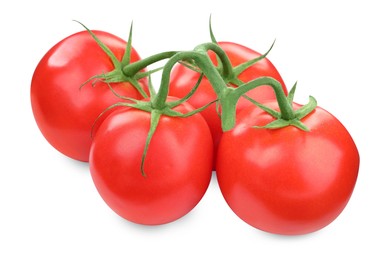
(84, 166)
(181, 222)
(289, 238)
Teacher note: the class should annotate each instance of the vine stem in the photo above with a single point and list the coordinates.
(202, 61)
(131, 69)
(286, 109)
(227, 67)
(227, 96)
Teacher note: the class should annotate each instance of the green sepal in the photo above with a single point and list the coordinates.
(152, 90)
(306, 109)
(278, 123)
(172, 113)
(243, 66)
(269, 110)
(291, 93)
(142, 105)
(155, 116)
(214, 40)
(281, 123)
(212, 37)
(127, 54)
(218, 108)
(119, 95)
(114, 60)
(144, 74)
(119, 104)
(281, 120)
(114, 77)
(175, 103)
(298, 124)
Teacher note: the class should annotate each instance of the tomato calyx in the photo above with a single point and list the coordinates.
(124, 70)
(157, 105)
(287, 116)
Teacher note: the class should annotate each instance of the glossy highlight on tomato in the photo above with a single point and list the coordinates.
(183, 79)
(287, 181)
(65, 112)
(178, 164)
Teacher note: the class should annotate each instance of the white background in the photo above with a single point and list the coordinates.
(337, 50)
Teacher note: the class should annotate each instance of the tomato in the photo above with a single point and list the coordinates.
(184, 79)
(287, 181)
(63, 111)
(178, 164)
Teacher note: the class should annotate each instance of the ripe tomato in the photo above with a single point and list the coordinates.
(178, 164)
(65, 113)
(287, 181)
(184, 79)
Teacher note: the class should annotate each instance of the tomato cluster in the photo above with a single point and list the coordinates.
(282, 167)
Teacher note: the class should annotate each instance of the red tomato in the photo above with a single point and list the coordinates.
(287, 181)
(178, 165)
(64, 112)
(184, 79)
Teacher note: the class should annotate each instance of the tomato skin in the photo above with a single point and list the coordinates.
(184, 79)
(178, 165)
(65, 113)
(287, 181)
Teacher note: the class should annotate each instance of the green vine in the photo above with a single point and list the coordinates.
(222, 77)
